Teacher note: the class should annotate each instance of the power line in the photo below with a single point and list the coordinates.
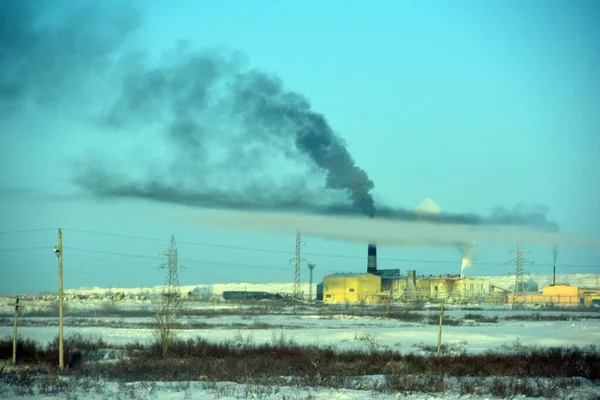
(25, 248)
(195, 261)
(405, 260)
(216, 263)
(223, 246)
(276, 251)
(115, 235)
(27, 231)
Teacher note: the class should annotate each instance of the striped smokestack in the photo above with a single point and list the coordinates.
(372, 259)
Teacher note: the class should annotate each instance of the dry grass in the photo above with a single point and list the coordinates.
(515, 370)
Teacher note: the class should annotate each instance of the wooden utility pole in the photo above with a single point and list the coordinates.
(61, 361)
(439, 352)
(15, 331)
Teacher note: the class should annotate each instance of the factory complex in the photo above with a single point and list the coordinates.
(388, 286)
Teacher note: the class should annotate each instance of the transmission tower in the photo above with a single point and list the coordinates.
(171, 295)
(311, 267)
(297, 261)
(518, 297)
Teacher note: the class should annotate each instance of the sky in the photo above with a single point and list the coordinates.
(124, 122)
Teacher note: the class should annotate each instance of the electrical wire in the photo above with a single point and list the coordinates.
(223, 246)
(265, 250)
(183, 260)
(27, 248)
(28, 231)
(343, 256)
(218, 263)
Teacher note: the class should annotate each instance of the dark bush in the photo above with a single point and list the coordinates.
(27, 349)
(481, 318)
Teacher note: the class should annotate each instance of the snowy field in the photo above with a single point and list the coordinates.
(473, 329)
(338, 331)
(233, 391)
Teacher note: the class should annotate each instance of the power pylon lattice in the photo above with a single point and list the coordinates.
(518, 297)
(171, 294)
(297, 261)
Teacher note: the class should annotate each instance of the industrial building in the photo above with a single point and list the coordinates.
(351, 288)
(441, 287)
(252, 295)
(564, 295)
(388, 285)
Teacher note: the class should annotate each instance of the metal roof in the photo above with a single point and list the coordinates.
(347, 274)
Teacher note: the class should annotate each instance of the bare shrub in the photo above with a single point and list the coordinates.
(455, 348)
(482, 318)
(165, 330)
(53, 384)
(415, 383)
(109, 308)
(22, 382)
(514, 370)
(372, 343)
(27, 349)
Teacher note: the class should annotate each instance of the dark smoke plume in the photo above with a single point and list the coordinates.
(236, 138)
(194, 91)
(44, 61)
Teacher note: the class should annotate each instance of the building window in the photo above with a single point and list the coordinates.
(328, 296)
(351, 290)
(436, 288)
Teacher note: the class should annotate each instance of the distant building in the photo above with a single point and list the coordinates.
(387, 277)
(320, 291)
(565, 295)
(246, 295)
(441, 287)
(352, 288)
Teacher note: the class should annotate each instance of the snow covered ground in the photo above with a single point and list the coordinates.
(233, 391)
(325, 327)
(338, 331)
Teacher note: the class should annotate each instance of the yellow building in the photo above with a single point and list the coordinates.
(352, 288)
(564, 295)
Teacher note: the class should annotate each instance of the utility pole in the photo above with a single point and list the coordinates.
(311, 267)
(518, 298)
(297, 260)
(59, 253)
(439, 349)
(14, 358)
(554, 255)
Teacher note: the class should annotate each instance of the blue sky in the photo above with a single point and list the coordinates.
(473, 104)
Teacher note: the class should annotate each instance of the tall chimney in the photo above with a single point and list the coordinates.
(372, 260)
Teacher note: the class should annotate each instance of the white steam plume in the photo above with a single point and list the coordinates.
(429, 207)
(468, 256)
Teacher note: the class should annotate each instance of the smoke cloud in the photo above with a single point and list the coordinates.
(48, 58)
(215, 113)
(385, 231)
(226, 135)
